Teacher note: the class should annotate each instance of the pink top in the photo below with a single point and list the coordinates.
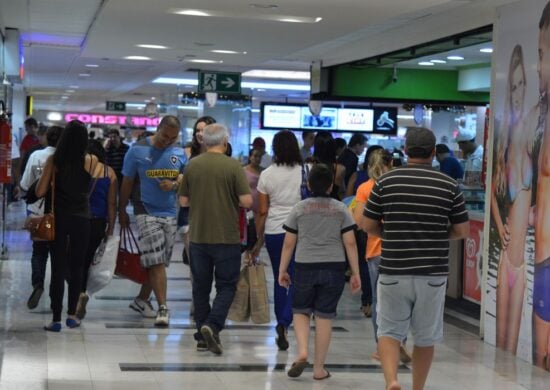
(253, 183)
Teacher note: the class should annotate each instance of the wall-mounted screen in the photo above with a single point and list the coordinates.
(281, 116)
(378, 120)
(355, 119)
(326, 120)
(385, 120)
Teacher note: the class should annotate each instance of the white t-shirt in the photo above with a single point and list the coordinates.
(282, 184)
(33, 171)
(474, 162)
(14, 147)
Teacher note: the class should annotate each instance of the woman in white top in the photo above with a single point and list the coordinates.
(278, 192)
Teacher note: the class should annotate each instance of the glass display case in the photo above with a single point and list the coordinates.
(474, 197)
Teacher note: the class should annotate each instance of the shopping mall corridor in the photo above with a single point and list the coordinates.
(115, 348)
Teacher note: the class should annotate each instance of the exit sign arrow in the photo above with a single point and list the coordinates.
(228, 83)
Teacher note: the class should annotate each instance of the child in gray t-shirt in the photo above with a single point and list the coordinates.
(321, 227)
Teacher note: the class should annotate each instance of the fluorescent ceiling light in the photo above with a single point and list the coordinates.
(438, 61)
(244, 84)
(486, 50)
(54, 116)
(277, 74)
(455, 58)
(91, 66)
(74, 86)
(426, 63)
(84, 74)
(137, 58)
(233, 14)
(289, 87)
(173, 80)
(228, 52)
(201, 61)
(135, 105)
(190, 12)
(64, 97)
(145, 46)
(69, 90)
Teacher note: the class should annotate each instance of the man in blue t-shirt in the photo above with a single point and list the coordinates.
(448, 164)
(159, 166)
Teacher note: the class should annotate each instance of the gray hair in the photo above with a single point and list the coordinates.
(215, 135)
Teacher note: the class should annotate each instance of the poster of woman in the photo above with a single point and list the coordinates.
(517, 316)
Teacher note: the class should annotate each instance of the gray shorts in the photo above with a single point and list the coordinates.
(411, 302)
(156, 239)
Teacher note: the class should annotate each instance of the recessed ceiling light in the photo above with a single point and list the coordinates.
(228, 52)
(69, 90)
(263, 6)
(146, 46)
(84, 75)
(426, 63)
(455, 58)
(74, 86)
(91, 66)
(190, 12)
(64, 97)
(200, 61)
(486, 50)
(137, 58)
(438, 61)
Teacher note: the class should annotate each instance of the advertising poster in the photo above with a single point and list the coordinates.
(471, 288)
(517, 304)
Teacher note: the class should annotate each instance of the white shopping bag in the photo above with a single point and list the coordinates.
(103, 266)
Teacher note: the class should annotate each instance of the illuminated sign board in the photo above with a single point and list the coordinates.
(102, 119)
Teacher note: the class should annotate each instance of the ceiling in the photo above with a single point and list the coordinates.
(61, 37)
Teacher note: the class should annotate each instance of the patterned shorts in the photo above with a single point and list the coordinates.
(156, 239)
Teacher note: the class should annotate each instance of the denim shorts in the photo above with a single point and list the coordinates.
(411, 302)
(317, 291)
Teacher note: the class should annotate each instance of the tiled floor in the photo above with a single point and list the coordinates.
(117, 349)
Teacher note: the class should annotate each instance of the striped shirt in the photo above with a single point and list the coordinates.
(416, 204)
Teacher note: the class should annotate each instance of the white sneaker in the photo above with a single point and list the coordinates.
(144, 307)
(163, 316)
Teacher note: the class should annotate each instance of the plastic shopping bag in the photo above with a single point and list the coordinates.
(103, 266)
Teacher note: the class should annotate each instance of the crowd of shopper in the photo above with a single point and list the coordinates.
(295, 210)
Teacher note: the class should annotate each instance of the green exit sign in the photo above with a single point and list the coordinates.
(221, 82)
(115, 106)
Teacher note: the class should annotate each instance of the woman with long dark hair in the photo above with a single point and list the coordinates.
(324, 151)
(102, 195)
(278, 192)
(71, 168)
(197, 146)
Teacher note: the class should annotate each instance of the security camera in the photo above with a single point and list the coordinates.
(394, 76)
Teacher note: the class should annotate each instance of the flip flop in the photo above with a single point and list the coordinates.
(297, 368)
(323, 377)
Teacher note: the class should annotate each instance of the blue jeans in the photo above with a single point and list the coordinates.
(373, 264)
(282, 297)
(209, 261)
(39, 260)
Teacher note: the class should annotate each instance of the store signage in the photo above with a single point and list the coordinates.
(101, 119)
(219, 82)
(115, 106)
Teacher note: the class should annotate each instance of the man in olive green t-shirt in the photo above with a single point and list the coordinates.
(214, 186)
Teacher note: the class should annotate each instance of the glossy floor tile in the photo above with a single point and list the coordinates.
(116, 348)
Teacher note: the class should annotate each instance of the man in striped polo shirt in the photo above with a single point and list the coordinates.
(416, 210)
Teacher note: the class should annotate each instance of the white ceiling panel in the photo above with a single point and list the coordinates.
(61, 36)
